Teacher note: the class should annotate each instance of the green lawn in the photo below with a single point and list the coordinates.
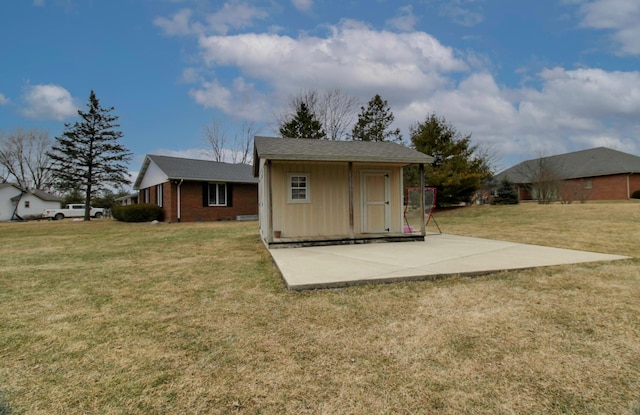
(113, 318)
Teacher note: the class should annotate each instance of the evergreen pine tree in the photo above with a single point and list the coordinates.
(88, 155)
(457, 171)
(374, 122)
(303, 125)
(506, 194)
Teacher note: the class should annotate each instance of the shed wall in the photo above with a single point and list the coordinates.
(327, 212)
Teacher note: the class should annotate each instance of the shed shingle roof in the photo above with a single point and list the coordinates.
(177, 168)
(600, 161)
(271, 148)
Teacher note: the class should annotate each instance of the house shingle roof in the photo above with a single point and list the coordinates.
(600, 161)
(271, 148)
(46, 196)
(41, 194)
(177, 168)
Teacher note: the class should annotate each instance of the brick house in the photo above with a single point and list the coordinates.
(190, 190)
(595, 174)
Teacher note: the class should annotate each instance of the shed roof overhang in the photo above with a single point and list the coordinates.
(287, 149)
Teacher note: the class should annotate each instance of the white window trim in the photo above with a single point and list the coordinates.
(307, 198)
(226, 194)
(146, 195)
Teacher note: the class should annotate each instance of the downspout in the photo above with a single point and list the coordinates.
(179, 201)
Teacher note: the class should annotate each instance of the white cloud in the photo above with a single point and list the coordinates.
(212, 95)
(353, 56)
(621, 17)
(592, 93)
(405, 20)
(462, 12)
(190, 76)
(573, 109)
(178, 25)
(4, 100)
(566, 111)
(48, 102)
(231, 16)
(302, 5)
(241, 100)
(234, 16)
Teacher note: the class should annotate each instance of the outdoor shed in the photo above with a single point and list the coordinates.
(191, 190)
(314, 192)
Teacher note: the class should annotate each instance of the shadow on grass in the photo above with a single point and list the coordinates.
(5, 409)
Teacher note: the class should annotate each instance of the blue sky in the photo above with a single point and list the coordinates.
(525, 78)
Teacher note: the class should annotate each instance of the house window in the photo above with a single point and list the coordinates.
(145, 195)
(217, 194)
(159, 195)
(299, 189)
(27, 204)
(588, 184)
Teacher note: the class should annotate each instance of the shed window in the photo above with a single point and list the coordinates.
(217, 194)
(588, 184)
(27, 204)
(299, 189)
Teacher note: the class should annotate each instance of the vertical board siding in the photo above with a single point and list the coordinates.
(327, 213)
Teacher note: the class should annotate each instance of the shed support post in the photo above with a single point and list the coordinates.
(423, 225)
(351, 227)
(270, 205)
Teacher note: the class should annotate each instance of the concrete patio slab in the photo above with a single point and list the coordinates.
(439, 255)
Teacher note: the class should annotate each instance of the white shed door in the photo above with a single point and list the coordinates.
(376, 206)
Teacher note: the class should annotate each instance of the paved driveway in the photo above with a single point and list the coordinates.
(439, 255)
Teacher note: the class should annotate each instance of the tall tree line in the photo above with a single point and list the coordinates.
(459, 168)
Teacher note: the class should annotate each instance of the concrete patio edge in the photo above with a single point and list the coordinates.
(438, 256)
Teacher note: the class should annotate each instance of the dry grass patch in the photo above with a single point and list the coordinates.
(113, 318)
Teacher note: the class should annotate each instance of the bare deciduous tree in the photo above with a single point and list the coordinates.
(337, 112)
(215, 138)
(244, 143)
(334, 109)
(219, 147)
(23, 158)
(543, 178)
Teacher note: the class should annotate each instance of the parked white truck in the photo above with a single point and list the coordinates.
(72, 211)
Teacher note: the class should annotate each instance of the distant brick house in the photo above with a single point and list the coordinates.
(190, 190)
(595, 174)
